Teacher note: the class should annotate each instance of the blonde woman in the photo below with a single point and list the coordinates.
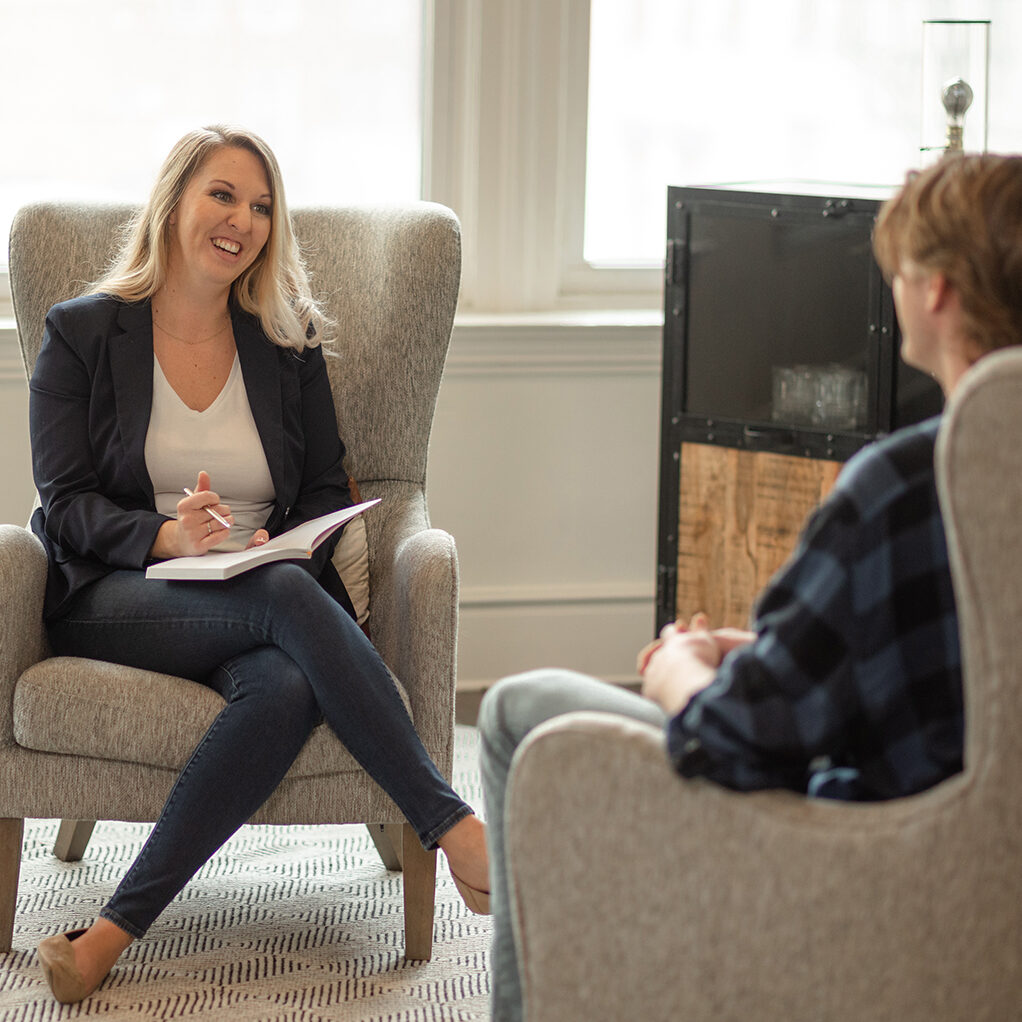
(196, 361)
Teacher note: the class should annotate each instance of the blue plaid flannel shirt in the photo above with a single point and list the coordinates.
(853, 686)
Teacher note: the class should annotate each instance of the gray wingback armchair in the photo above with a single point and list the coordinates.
(82, 740)
(659, 898)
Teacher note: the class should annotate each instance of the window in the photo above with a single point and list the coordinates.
(744, 90)
(99, 92)
(552, 127)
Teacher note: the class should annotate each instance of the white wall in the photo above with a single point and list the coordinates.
(16, 489)
(543, 465)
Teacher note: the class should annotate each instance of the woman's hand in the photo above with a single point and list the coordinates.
(195, 531)
(259, 537)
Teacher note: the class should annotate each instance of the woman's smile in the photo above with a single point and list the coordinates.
(230, 247)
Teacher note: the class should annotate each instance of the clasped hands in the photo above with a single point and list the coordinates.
(195, 531)
(684, 660)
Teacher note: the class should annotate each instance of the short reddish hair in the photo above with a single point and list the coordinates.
(962, 217)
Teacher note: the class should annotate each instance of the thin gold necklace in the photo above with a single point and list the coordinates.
(188, 340)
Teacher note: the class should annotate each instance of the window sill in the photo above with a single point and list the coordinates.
(549, 343)
(626, 340)
(561, 321)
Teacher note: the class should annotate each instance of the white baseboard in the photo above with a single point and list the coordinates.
(597, 636)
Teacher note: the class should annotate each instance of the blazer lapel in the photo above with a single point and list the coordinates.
(131, 368)
(260, 369)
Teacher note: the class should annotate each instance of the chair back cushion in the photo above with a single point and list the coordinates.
(389, 277)
(56, 251)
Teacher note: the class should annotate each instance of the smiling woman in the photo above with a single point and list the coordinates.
(202, 346)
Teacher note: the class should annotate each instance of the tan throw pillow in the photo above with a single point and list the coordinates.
(351, 559)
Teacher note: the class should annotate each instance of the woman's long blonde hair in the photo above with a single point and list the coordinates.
(275, 288)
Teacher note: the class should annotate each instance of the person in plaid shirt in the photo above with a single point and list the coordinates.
(849, 683)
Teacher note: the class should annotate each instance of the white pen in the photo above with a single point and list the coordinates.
(220, 518)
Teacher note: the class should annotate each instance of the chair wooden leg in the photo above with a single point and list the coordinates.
(72, 839)
(387, 837)
(420, 896)
(12, 832)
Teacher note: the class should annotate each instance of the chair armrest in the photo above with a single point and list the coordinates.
(426, 651)
(667, 890)
(414, 614)
(22, 634)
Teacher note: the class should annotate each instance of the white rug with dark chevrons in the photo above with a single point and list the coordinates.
(284, 924)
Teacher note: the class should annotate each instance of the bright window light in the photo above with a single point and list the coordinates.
(98, 92)
(761, 90)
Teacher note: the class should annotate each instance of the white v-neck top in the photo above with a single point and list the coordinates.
(223, 440)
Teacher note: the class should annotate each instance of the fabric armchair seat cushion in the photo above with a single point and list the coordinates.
(77, 707)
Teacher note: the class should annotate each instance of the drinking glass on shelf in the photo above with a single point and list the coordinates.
(839, 397)
(828, 396)
(794, 394)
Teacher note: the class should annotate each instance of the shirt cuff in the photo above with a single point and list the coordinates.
(686, 749)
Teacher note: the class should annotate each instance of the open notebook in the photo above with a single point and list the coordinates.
(296, 543)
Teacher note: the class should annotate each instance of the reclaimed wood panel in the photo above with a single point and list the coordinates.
(740, 515)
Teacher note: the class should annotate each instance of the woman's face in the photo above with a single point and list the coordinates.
(222, 221)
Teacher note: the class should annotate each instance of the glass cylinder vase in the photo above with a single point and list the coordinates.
(956, 56)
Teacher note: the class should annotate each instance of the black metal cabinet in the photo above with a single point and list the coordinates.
(774, 313)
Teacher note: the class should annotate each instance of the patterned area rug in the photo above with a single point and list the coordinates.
(296, 924)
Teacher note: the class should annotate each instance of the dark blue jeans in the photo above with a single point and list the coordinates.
(283, 653)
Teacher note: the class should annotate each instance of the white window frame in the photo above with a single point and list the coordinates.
(506, 100)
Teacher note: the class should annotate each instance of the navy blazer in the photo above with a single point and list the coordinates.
(90, 398)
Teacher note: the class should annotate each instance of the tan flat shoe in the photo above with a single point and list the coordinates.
(476, 900)
(57, 961)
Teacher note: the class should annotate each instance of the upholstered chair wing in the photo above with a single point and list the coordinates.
(656, 897)
(85, 741)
